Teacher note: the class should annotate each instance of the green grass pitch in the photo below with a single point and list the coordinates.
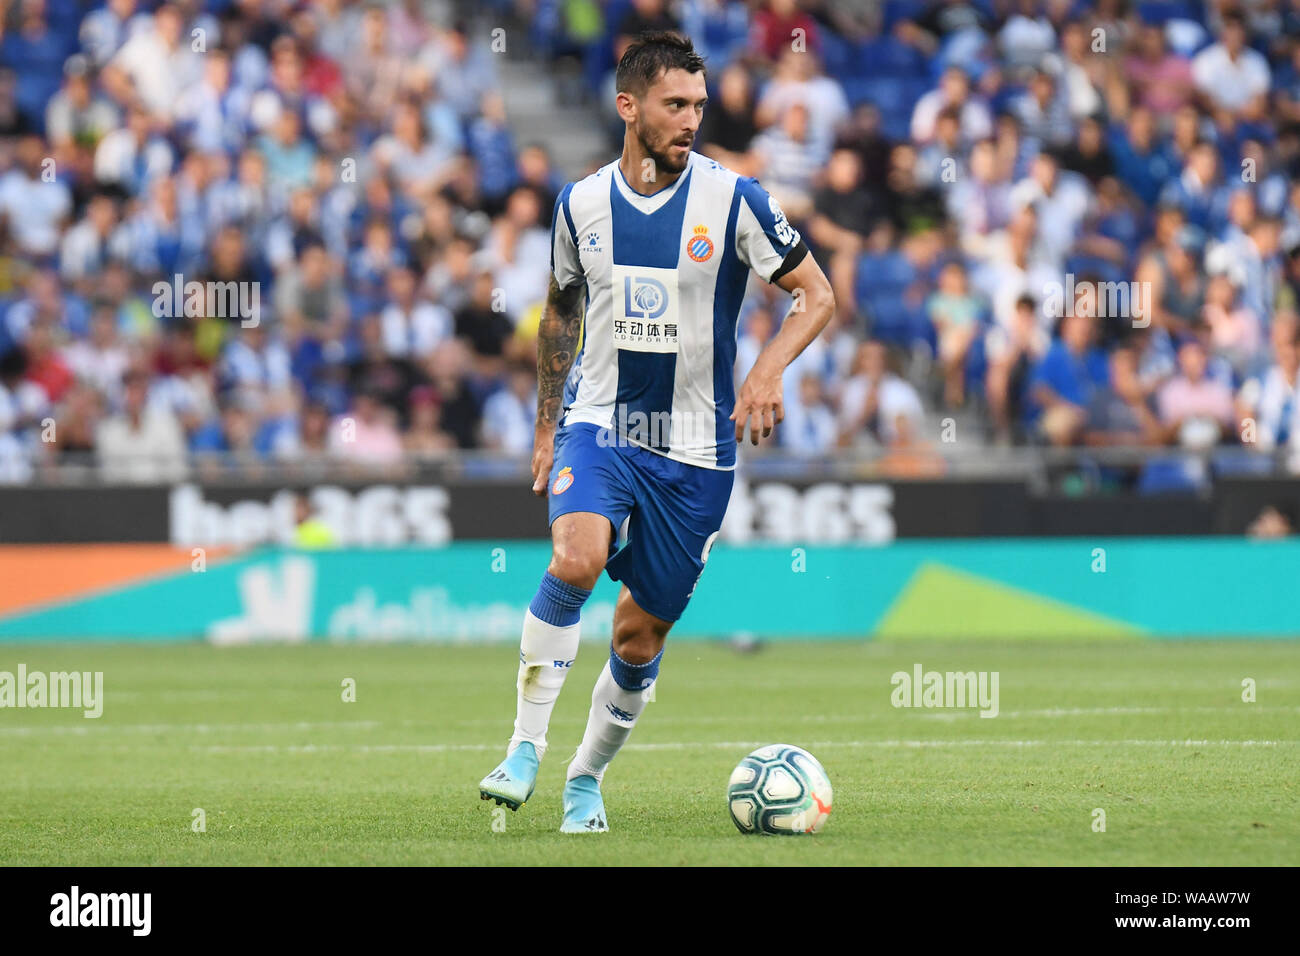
(1154, 733)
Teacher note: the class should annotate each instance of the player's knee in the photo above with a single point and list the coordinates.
(638, 647)
(577, 565)
(638, 641)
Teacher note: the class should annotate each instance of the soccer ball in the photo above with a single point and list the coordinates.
(779, 789)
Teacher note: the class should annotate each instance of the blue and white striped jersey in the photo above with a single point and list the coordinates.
(665, 275)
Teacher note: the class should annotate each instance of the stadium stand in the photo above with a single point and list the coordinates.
(1052, 225)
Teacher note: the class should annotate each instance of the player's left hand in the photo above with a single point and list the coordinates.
(761, 398)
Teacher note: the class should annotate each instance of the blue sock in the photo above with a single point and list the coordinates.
(558, 602)
(633, 677)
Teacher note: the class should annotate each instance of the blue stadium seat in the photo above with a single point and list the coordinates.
(889, 272)
(490, 468)
(837, 56)
(968, 49)
(881, 287)
(896, 10)
(1173, 475)
(886, 57)
(894, 96)
(891, 318)
(1240, 461)
(1161, 12)
(886, 92)
(858, 90)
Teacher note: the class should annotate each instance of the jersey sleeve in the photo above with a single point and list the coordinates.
(765, 240)
(565, 266)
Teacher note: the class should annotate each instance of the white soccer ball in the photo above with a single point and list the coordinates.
(779, 789)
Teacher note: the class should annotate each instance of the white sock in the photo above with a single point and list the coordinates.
(546, 654)
(612, 716)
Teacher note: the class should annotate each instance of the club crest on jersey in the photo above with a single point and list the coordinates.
(699, 246)
(563, 481)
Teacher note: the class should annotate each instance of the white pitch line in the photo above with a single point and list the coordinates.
(740, 745)
(81, 730)
(1109, 711)
(98, 726)
(948, 714)
(190, 695)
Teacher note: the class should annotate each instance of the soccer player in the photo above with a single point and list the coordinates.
(638, 417)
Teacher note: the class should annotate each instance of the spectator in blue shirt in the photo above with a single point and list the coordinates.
(36, 53)
(1195, 190)
(1141, 162)
(228, 439)
(493, 149)
(1063, 383)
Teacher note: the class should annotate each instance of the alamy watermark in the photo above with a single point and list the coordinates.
(1113, 300)
(196, 300)
(79, 690)
(677, 429)
(130, 910)
(938, 689)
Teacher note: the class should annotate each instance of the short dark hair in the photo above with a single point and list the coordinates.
(651, 54)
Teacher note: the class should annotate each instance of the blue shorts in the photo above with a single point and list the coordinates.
(675, 511)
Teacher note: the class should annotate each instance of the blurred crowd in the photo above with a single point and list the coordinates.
(347, 167)
(1056, 223)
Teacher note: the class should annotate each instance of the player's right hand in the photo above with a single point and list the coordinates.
(543, 456)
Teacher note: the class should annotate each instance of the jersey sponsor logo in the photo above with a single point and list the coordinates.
(590, 242)
(699, 246)
(644, 298)
(563, 481)
(645, 309)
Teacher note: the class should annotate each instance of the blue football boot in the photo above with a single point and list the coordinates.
(513, 780)
(584, 810)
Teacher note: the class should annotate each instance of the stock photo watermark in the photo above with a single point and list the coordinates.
(1105, 300)
(221, 300)
(946, 689)
(630, 426)
(75, 908)
(75, 690)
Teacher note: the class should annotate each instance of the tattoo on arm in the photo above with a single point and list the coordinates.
(557, 343)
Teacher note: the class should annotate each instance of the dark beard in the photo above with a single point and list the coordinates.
(664, 163)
